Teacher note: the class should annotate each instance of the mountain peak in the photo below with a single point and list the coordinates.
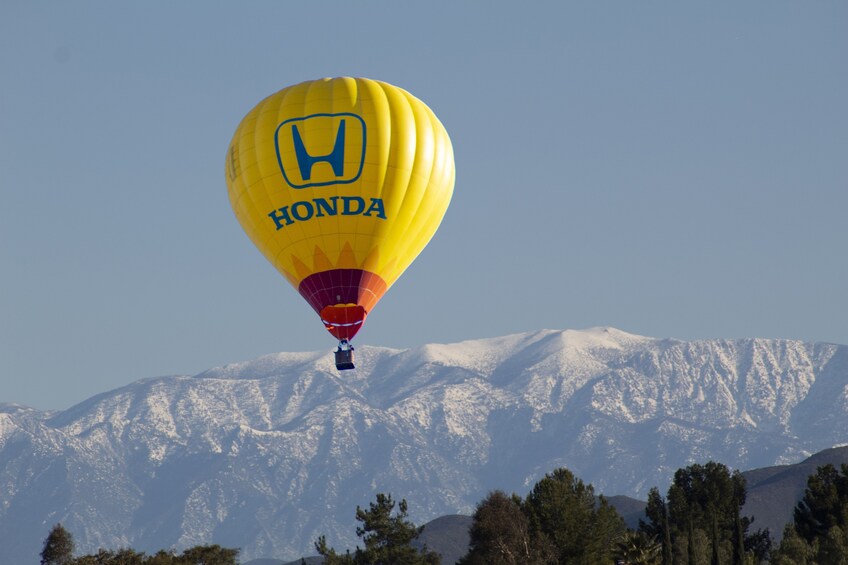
(269, 454)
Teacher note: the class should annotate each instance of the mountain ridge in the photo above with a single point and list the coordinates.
(270, 453)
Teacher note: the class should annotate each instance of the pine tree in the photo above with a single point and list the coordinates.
(705, 501)
(387, 538)
(825, 503)
(564, 510)
(819, 532)
(58, 547)
(657, 526)
(329, 554)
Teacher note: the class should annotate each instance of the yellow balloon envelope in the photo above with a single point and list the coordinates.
(340, 183)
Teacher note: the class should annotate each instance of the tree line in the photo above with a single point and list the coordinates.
(562, 522)
(59, 548)
(698, 522)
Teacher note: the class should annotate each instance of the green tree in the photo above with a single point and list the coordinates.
(657, 525)
(819, 532)
(564, 510)
(209, 555)
(704, 501)
(102, 557)
(500, 535)
(793, 550)
(197, 555)
(832, 548)
(58, 547)
(825, 503)
(638, 548)
(759, 545)
(163, 557)
(127, 556)
(329, 554)
(387, 538)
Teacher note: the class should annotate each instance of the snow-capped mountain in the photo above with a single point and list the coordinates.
(269, 454)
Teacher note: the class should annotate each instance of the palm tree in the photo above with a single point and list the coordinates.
(637, 548)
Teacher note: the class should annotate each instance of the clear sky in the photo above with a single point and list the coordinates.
(672, 169)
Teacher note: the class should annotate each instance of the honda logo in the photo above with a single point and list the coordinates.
(321, 149)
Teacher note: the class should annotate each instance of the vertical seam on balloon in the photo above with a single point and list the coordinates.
(312, 86)
(357, 108)
(260, 233)
(416, 219)
(243, 194)
(398, 103)
(429, 222)
(378, 102)
(333, 237)
(300, 242)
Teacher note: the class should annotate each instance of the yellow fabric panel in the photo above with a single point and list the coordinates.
(340, 173)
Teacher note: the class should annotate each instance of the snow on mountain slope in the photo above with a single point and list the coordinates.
(268, 454)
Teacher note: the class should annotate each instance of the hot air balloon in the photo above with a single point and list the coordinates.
(340, 183)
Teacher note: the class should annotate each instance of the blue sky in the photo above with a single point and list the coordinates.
(670, 169)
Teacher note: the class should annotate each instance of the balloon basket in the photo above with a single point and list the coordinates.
(344, 356)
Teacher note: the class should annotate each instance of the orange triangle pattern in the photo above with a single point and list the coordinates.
(346, 260)
(320, 261)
